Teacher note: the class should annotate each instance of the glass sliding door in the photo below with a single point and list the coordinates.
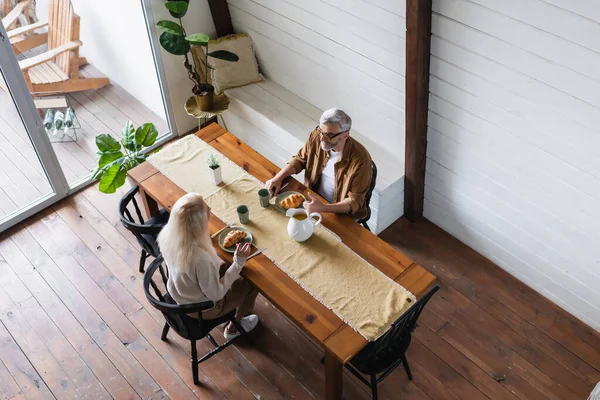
(71, 70)
(30, 178)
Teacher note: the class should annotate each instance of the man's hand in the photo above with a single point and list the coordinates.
(273, 185)
(313, 204)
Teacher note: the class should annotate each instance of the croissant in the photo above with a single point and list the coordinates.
(292, 201)
(233, 237)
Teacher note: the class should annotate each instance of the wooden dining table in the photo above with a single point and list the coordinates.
(339, 341)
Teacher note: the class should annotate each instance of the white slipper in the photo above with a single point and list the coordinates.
(248, 323)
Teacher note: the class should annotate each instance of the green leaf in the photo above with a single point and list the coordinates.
(107, 143)
(128, 136)
(199, 39)
(177, 14)
(107, 158)
(174, 44)
(178, 7)
(112, 179)
(224, 55)
(170, 27)
(146, 134)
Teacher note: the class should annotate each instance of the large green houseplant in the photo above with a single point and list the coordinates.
(176, 41)
(116, 158)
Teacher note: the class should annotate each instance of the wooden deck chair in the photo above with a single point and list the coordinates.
(57, 70)
(21, 14)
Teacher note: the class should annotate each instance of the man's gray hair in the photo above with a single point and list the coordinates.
(336, 116)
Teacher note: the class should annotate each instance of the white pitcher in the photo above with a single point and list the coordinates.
(301, 224)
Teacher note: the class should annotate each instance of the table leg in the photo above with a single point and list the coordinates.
(333, 377)
(150, 205)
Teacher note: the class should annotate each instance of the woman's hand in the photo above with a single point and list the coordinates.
(241, 253)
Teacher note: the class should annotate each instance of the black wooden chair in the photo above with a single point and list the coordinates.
(145, 232)
(176, 316)
(363, 221)
(382, 356)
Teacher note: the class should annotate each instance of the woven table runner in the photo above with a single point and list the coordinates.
(331, 272)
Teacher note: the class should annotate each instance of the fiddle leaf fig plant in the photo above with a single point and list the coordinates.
(175, 40)
(116, 158)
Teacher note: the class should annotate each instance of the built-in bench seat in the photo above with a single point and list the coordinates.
(276, 123)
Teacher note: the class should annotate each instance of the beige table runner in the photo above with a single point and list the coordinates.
(354, 290)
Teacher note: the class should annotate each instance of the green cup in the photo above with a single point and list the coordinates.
(243, 214)
(264, 197)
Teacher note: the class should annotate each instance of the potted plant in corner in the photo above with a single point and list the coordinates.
(215, 169)
(114, 161)
(176, 41)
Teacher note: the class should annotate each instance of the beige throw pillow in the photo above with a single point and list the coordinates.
(228, 74)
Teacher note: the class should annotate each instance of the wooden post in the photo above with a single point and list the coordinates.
(418, 43)
(221, 17)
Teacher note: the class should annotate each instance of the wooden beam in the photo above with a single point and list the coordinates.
(221, 17)
(418, 43)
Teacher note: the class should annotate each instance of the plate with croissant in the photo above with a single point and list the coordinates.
(232, 236)
(287, 200)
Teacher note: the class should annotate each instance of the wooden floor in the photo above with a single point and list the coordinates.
(106, 110)
(75, 324)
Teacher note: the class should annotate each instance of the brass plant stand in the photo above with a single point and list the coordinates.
(221, 103)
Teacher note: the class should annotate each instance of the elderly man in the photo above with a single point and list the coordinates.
(337, 167)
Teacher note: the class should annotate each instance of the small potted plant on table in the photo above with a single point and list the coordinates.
(215, 169)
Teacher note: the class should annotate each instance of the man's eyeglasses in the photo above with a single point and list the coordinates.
(329, 136)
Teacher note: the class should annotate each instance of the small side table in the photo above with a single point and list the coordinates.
(221, 103)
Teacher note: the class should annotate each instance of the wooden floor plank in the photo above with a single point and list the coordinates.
(94, 356)
(8, 388)
(51, 371)
(419, 353)
(31, 252)
(459, 362)
(552, 358)
(28, 379)
(52, 338)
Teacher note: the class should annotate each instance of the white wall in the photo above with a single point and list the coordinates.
(335, 53)
(115, 41)
(513, 161)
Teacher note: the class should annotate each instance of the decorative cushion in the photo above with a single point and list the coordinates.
(228, 74)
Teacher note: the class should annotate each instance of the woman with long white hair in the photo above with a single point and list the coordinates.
(194, 266)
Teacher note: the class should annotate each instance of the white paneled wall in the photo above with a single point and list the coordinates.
(336, 53)
(513, 158)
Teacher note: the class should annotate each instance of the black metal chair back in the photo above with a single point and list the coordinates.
(145, 232)
(178, 317)
(369, 195)
(386, 353)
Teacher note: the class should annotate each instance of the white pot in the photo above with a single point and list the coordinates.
(215, 175)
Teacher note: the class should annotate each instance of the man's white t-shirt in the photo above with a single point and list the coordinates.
(327, 183)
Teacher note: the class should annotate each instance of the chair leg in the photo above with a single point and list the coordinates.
(195, 362)
(406, 367)
(212, 340)
(374, 386)
(165, 331)
(143, 260)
